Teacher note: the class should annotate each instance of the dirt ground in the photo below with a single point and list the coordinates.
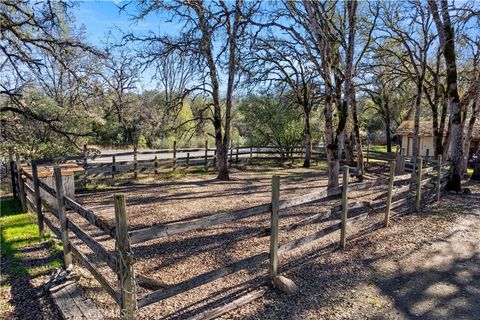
(185, 256)
(426, 266)
(182, 257)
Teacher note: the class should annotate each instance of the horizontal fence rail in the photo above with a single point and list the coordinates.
(391, 192)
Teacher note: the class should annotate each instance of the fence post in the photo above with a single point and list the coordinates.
(231, 156)
(215, 157)
(113, 167)
(12, 172)
(343, 229)
(62, 217)
(135, 162)
(439, 177)
(126, 275)
(236, 156)
(206, 154)
(274, 227)
(20, 182)
(391, 179)
(155, 164)
(174, 163)
(188, 159)
(368, 153)
(419, 184)
(84, 155)
(251, 152)
(38, 199)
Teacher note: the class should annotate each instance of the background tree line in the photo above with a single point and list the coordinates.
(240, 72)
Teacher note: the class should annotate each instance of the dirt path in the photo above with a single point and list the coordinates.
(425, 266)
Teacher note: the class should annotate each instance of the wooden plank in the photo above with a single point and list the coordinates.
(67, 255)
(135, 162)
(206, 155)
(38, 199)
(386, 221)
(27, 175)
(174, 162)
(66, 306)
(95, 273)
(343, 228)
(30, 204)
(310, 197)
(47, 188)
(29, 189)
(96, 247)
(91, 217)
(173, 228)
(202, 279)
(294, 244)
(89, 310)
(274, 227)
(439, 177)
(126, 276)
(52, 227)
(217, 312)
(418, 197)
(72, 304)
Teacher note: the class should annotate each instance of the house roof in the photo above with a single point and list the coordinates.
(426, 129)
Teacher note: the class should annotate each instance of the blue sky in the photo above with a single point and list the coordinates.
(101, 17)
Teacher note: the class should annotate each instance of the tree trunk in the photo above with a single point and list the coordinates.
(308, 141)
(447, 40)
(416, 126)
(471, 123)
(358, 141)
(331, 147)
(222, 161)
(207, 50)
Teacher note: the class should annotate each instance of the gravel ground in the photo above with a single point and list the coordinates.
(182, 257)
(425, 266)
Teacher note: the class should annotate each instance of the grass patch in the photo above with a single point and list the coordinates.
(19, 230)
(378, 148)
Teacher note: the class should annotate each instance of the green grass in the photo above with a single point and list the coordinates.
(470, 171)
(19, 230)
(378, 148)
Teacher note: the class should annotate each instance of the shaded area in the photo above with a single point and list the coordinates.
(26, 257)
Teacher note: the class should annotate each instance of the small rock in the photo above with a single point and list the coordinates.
(285, 285)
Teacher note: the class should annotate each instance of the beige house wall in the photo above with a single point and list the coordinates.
(425, 148)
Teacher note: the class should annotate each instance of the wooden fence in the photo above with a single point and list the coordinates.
(112, 167)
(170, 158)
(400, 191)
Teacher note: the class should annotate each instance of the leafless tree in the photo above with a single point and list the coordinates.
(446, 34)
(277, 63)
(409, 43)
(203, 25)
(30, 32)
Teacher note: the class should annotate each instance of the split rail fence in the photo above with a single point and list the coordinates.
(108, 165)
(32, 191)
